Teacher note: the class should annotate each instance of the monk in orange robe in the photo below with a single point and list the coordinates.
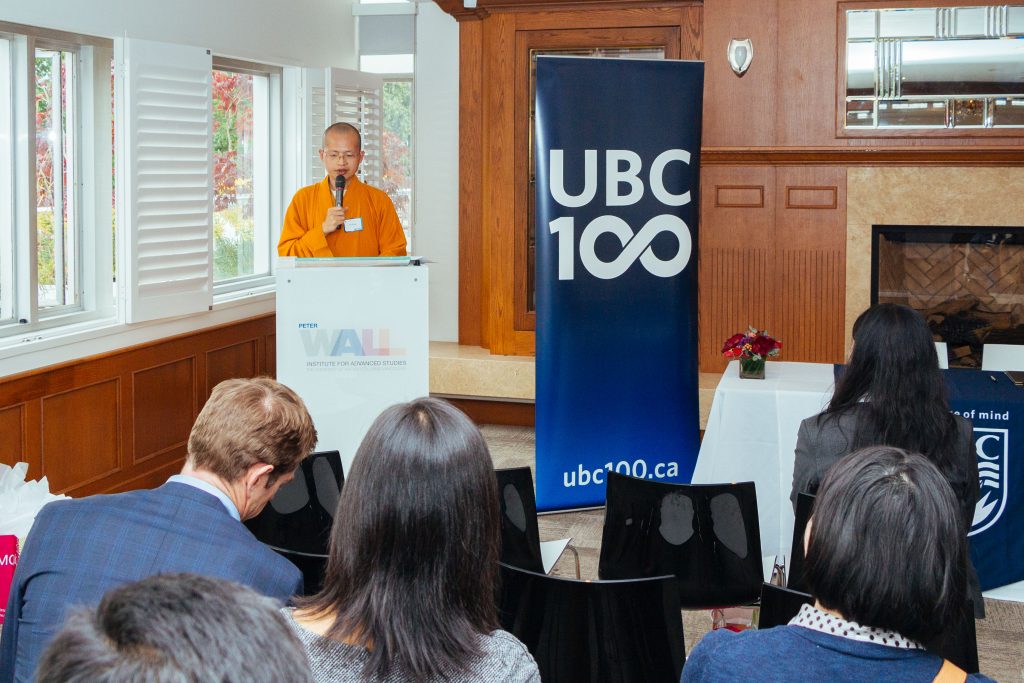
(366, 223)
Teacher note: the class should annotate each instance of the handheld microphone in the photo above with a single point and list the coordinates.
(339, 189)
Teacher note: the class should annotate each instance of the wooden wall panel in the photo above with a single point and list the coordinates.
(810, 197)
(811, 211)
(739, 111)
(735, 291)
(164, 400)
(270, 355)
(772, 255)
(470, 183)
(811, 302)
(237, 360)
(81, 435)
(12, 430)
(739, 196)
(805, 83)
(737, 207)
(498, 184)
(736, 252)
(810, 265)
(120, 420)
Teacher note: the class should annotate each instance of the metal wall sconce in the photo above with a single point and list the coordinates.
(741, 54)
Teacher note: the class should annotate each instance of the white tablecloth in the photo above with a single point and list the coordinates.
(751, 436)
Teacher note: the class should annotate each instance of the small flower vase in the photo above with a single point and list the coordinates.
(751, 369)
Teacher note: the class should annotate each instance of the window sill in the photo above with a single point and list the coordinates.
(239, 297)
(39, 348)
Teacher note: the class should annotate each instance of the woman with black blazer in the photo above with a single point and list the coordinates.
(892, 393)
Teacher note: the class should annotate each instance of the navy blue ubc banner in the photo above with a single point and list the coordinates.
(617, 151)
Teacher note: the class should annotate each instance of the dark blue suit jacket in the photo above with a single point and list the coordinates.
(77, 550)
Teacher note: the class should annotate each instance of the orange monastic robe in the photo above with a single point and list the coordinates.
(303, 235)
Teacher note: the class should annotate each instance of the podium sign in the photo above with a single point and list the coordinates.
(618, 145)
(351, 341)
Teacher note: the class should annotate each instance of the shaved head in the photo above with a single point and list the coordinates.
(341, 128)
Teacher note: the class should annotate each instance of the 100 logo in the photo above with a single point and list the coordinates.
(635, 246)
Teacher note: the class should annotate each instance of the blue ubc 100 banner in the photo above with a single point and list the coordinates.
(617, 150)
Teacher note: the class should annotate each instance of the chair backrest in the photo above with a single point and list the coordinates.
(706, 535)
(779, 605)
(595, 631)
(942, 351)
(520, 537)
(300, 515)
(804, 506)
(958, 642)
(1002, 357)
(311, 565)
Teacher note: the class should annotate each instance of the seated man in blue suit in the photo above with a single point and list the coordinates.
(246, 443)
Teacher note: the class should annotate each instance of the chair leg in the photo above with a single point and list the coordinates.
(575, 554)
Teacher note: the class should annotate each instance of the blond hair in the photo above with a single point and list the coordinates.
(251, 421)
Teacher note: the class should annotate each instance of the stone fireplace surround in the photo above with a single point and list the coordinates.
(920, 196)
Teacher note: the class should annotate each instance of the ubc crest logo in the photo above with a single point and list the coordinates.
(992, 447)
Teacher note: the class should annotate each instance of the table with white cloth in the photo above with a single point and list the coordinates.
(751, 436)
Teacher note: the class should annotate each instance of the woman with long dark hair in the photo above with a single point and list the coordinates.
(409, 590)
(892, 393)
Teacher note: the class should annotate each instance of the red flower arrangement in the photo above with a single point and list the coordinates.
(754, 344)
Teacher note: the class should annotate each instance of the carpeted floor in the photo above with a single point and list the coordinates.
(1000, 634)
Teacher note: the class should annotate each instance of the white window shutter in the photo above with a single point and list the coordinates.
(317, 86)
(164, 179)
(356, 98)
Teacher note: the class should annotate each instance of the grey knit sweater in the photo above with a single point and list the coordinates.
(505, 660)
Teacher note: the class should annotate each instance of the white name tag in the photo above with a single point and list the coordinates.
(353, 225)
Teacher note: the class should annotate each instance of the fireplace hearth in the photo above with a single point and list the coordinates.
(967, 281)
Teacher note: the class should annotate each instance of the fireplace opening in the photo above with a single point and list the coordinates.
(967, 281)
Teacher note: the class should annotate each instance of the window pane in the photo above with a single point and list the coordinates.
(240, 142)
(56, 215)
(6, 184)
(397, 180)
(386, 64)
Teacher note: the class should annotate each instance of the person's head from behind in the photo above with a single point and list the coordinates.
(251, 434)
(894, 384)
(174, 628)
(414, 554)
(891, 343)
(885, 546)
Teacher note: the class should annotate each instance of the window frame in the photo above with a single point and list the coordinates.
(411, 80)
(94, 241)
(247, 285)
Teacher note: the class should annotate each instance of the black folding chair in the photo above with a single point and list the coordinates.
(706, 535)
(958, 642)
(804, 506)
(297, 521)
(520, 536)
(595, 631)
(779, 605)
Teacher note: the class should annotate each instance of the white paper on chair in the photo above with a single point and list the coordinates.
(550, 551)
(21, 500)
